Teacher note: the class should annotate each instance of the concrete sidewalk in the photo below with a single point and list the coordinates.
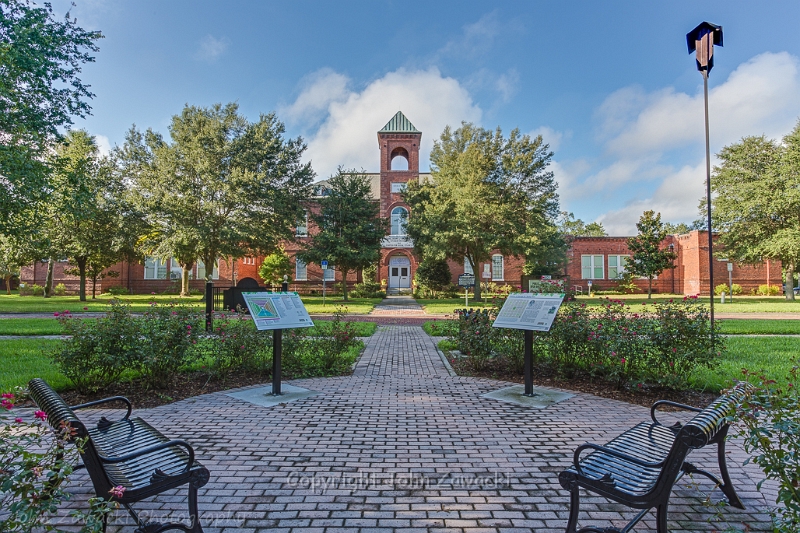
(403, 447)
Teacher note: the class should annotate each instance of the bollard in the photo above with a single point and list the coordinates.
(209, 305)
(722, 298)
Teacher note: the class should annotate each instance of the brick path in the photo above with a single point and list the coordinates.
(402, 447)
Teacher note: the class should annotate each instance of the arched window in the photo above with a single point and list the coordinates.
(398, 159)
(399, 219)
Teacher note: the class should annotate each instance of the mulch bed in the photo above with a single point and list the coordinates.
(645, 396)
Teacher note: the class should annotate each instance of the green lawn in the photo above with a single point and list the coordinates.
(354, 306)
(25, 359)
(736, 326)
(740, 304)
(447, 306)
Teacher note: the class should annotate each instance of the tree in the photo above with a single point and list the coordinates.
(549, 256)
(648, 259)
(223, 186)
(756, 202)
(486, 193)
(275, 266)
(350, 226)
(84, 213)
(434, 274)
(575, 227)
(40, 91)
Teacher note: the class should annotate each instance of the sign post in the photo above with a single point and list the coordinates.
(467, 281)
(324, 271)
(529, 312)
(277, 311)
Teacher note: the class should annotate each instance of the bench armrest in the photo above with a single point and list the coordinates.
(152, 449)
(659, 403)
(122, 399)
(614, 453)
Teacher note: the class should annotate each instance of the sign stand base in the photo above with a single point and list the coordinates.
(277, 349)
(529, 364)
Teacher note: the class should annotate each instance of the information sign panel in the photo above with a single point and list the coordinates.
(277, 310)
(466, 280)
(533, 312)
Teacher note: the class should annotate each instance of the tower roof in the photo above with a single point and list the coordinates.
(399, 124)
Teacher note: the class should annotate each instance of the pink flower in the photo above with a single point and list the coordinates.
(7, 395)
(242, 347)
(623, 360)
(117, 491)
(188, 326)
(85, 308)
(41, 415)
(18, 420)
(7, 404)
(56, 314)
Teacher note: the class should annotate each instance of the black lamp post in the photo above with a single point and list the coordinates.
(701, 40)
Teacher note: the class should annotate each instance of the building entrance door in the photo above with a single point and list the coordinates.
(399, 273)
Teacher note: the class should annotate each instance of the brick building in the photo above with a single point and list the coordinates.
(600, 260)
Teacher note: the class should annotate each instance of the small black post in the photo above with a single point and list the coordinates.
(528, 363)
(285, 284)
(209, 305)
(277, 348)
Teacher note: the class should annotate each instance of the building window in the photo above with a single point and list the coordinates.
(592, 267)
(497, 267)
(302, 225)
(399, 218)
(467, 267)
(155, 268)
(398, 187)
(248, 260)
(329, 274)
(300, 270)
(616, 266)
(201, 271)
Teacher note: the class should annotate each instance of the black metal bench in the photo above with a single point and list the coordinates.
(128, 453)
(639, 467)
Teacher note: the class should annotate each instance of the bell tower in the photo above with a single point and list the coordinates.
(399, 144)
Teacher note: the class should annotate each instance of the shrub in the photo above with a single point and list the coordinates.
(98, 351)
(368, 289)
(433, 275)
(117, 290)
(60, 289)
(25, 289)
(722, 287)
(167, 338)
(330, 354)
(768, 290)
(475, 336)
(238, 345)
(37, 290)
(769, 422)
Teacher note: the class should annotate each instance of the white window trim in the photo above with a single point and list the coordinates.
(329, 274)
(593, 266)
(398, 187)
(302, 231)
(299, 267)
(214, 273)
(502, 268)
(401, 223)
(157, 265)
(468, 268)
(621, 269)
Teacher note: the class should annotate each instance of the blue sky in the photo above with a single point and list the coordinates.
(610, 85)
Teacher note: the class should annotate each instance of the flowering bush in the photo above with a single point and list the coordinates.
(35, 462)
(167, 337)
(237, 344)
(769, 422)
(476, 337)
(99, 350)
(329, 354)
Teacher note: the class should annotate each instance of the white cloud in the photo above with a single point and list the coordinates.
(676, 199)
(657, 137)
(475, 39)
(550, 136)
(760, 96)
(103, 144)
(211, 48)
(347, 134)
(319, 91)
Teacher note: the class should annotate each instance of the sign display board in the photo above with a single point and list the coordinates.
(533, 312)
(277, 310)
(546, 285)
(466, 280)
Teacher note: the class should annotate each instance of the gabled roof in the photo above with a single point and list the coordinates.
(399, 124)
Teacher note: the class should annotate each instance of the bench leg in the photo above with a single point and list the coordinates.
(727, 485)
(194, 513)
(574, 509)
(661, 518)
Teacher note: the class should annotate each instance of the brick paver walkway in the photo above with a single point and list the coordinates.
(402, 447)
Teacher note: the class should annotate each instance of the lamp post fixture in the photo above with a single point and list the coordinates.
(701, 40)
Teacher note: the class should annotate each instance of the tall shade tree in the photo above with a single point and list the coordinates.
(756, 201)
(223, 186)
(349, 224)
(569, 225)
(648, 258)
(40, 60)
(486, 192)
(84, 213)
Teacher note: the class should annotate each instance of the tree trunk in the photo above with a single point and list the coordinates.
(344, 284)
(48, 284)
(789, 284)
(185, 270)
(94, 287)
(82, 272)
(650, 287)
(8, 284)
